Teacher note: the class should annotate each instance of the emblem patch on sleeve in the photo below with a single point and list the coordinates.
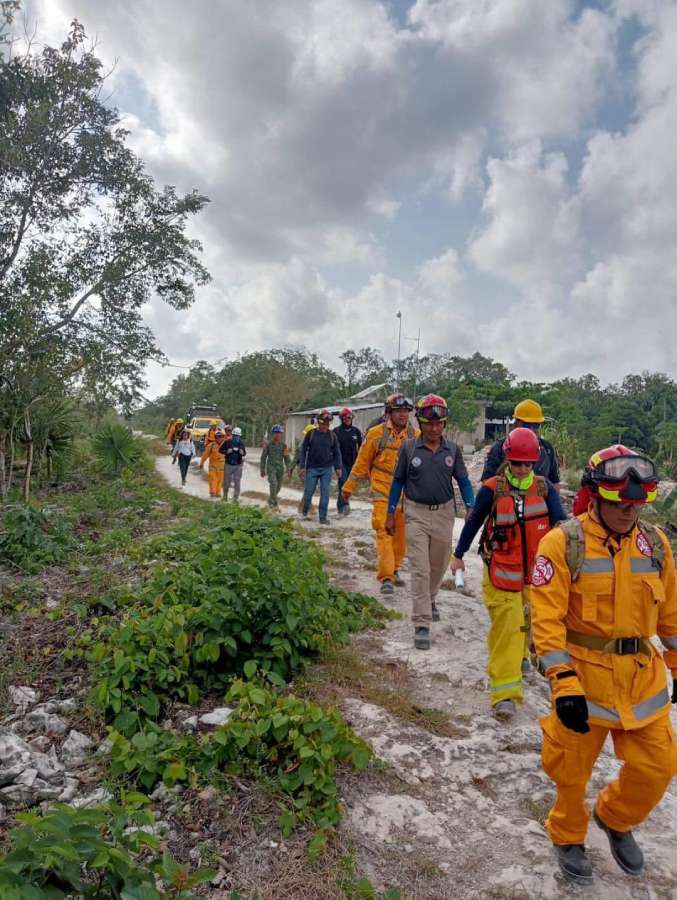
(643, 545)
(543, 571)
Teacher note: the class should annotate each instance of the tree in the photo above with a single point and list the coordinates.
(364, 367)
(85, 238)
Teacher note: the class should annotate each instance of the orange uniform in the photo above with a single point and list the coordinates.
(623, 592)
(376, 461)
(216, 466)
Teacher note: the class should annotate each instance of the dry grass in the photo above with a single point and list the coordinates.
(347, 673)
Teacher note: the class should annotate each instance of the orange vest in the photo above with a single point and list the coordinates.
(509, 542)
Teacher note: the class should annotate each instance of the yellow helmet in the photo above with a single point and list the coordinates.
(179, 421)
(529, 411)
(213, 422)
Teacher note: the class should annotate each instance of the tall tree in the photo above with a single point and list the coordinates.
(85, 237)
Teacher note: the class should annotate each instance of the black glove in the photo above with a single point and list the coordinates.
(573, 713)
(674, 690)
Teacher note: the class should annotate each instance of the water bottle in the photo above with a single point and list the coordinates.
(459, 578)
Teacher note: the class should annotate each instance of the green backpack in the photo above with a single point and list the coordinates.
(575, 544)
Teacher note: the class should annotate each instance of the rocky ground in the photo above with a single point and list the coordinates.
(454, 806)
(463, 816)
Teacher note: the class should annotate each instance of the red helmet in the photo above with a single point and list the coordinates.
(431, 408)
(398, 401)
(621, 475)
(522, 445)
(324, 415)
(346, 412)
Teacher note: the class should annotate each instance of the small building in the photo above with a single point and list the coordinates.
(367, 405)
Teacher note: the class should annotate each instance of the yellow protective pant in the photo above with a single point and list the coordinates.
(390, 550)
(215, 479)
(507, 639)
(649, 757)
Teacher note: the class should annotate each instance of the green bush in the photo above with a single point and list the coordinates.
(239, 590)
(293, 745)
(94, 854)
(32, 539)
(115, 447)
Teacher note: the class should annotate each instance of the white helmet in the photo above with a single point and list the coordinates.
(237, 432)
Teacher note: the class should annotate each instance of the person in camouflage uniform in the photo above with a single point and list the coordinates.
(274, 460)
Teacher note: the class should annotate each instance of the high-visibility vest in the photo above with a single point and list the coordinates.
(509, 542)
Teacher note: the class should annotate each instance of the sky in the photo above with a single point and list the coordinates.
(500, 171)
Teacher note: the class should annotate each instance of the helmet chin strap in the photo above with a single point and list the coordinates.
(612, 531)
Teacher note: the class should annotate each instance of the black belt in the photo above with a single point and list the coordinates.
(431, 506)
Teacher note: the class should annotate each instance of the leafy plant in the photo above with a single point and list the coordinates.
(95, 854)
(241, 591)
(116, 447)
(32, 539)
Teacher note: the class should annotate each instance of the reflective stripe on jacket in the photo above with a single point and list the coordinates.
(620, 593)
(377, 458)
(510, 541)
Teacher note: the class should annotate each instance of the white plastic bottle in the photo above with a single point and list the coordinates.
(459, 578)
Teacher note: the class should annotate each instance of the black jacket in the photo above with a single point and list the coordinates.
(349, 441)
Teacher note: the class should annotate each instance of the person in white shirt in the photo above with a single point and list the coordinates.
(184, 451)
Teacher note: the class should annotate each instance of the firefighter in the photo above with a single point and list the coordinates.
(527, 414)
(603, 585)
(169, 431)
(518, 508)
(425, 467)
(275, 459)
(376, 460)
(211, 433)
(216, 463)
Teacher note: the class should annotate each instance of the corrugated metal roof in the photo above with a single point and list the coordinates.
(337, 408)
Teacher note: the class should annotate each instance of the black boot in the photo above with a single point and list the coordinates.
(624, 848)
(574, 863)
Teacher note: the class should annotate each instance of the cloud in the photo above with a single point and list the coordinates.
(450, 163)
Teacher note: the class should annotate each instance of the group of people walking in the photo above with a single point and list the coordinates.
(224, 450)
(580, 598)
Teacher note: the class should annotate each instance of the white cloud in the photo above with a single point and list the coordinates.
(317, 126)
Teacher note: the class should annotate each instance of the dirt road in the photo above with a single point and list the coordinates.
(464, 811)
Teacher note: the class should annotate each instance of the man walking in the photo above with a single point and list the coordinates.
(425, 467)
(213, 452)
(274, 460)
(234, 451)
(603, 585)
(376, 461)
(527, 414)
(319, 454)
(350, 439)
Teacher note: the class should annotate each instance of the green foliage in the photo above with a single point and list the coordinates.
(291, 745)
(116, 447)
(32, 539)
(241, 590)
(93, 854)
(295, 743)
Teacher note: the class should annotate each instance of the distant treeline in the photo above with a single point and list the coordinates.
(260, 389)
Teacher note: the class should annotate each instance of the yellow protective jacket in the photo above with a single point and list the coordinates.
(377, 458)
(169, 429)
(217, 461)
(620, 593)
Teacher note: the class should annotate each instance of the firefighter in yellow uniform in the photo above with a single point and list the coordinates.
(169, 430)
(211, 434)
(602, 586)
(216, 463)
(376, 461)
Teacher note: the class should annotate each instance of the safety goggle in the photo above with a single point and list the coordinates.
(432, 413)
(400, 403)
(621, 468)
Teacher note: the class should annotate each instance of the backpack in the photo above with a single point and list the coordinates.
(575, 544)
(385, 437)
(334, 441)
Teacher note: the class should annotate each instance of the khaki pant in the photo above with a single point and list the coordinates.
(430, 534)
(649, 757)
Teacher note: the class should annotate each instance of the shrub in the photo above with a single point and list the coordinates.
(33, 539)
(240, 589)
(116, 447)
(93, 854)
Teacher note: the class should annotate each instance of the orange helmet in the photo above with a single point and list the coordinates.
(522, 445)
(620, 475)
(324, 416)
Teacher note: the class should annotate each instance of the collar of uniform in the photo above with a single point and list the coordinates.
(443, 446)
